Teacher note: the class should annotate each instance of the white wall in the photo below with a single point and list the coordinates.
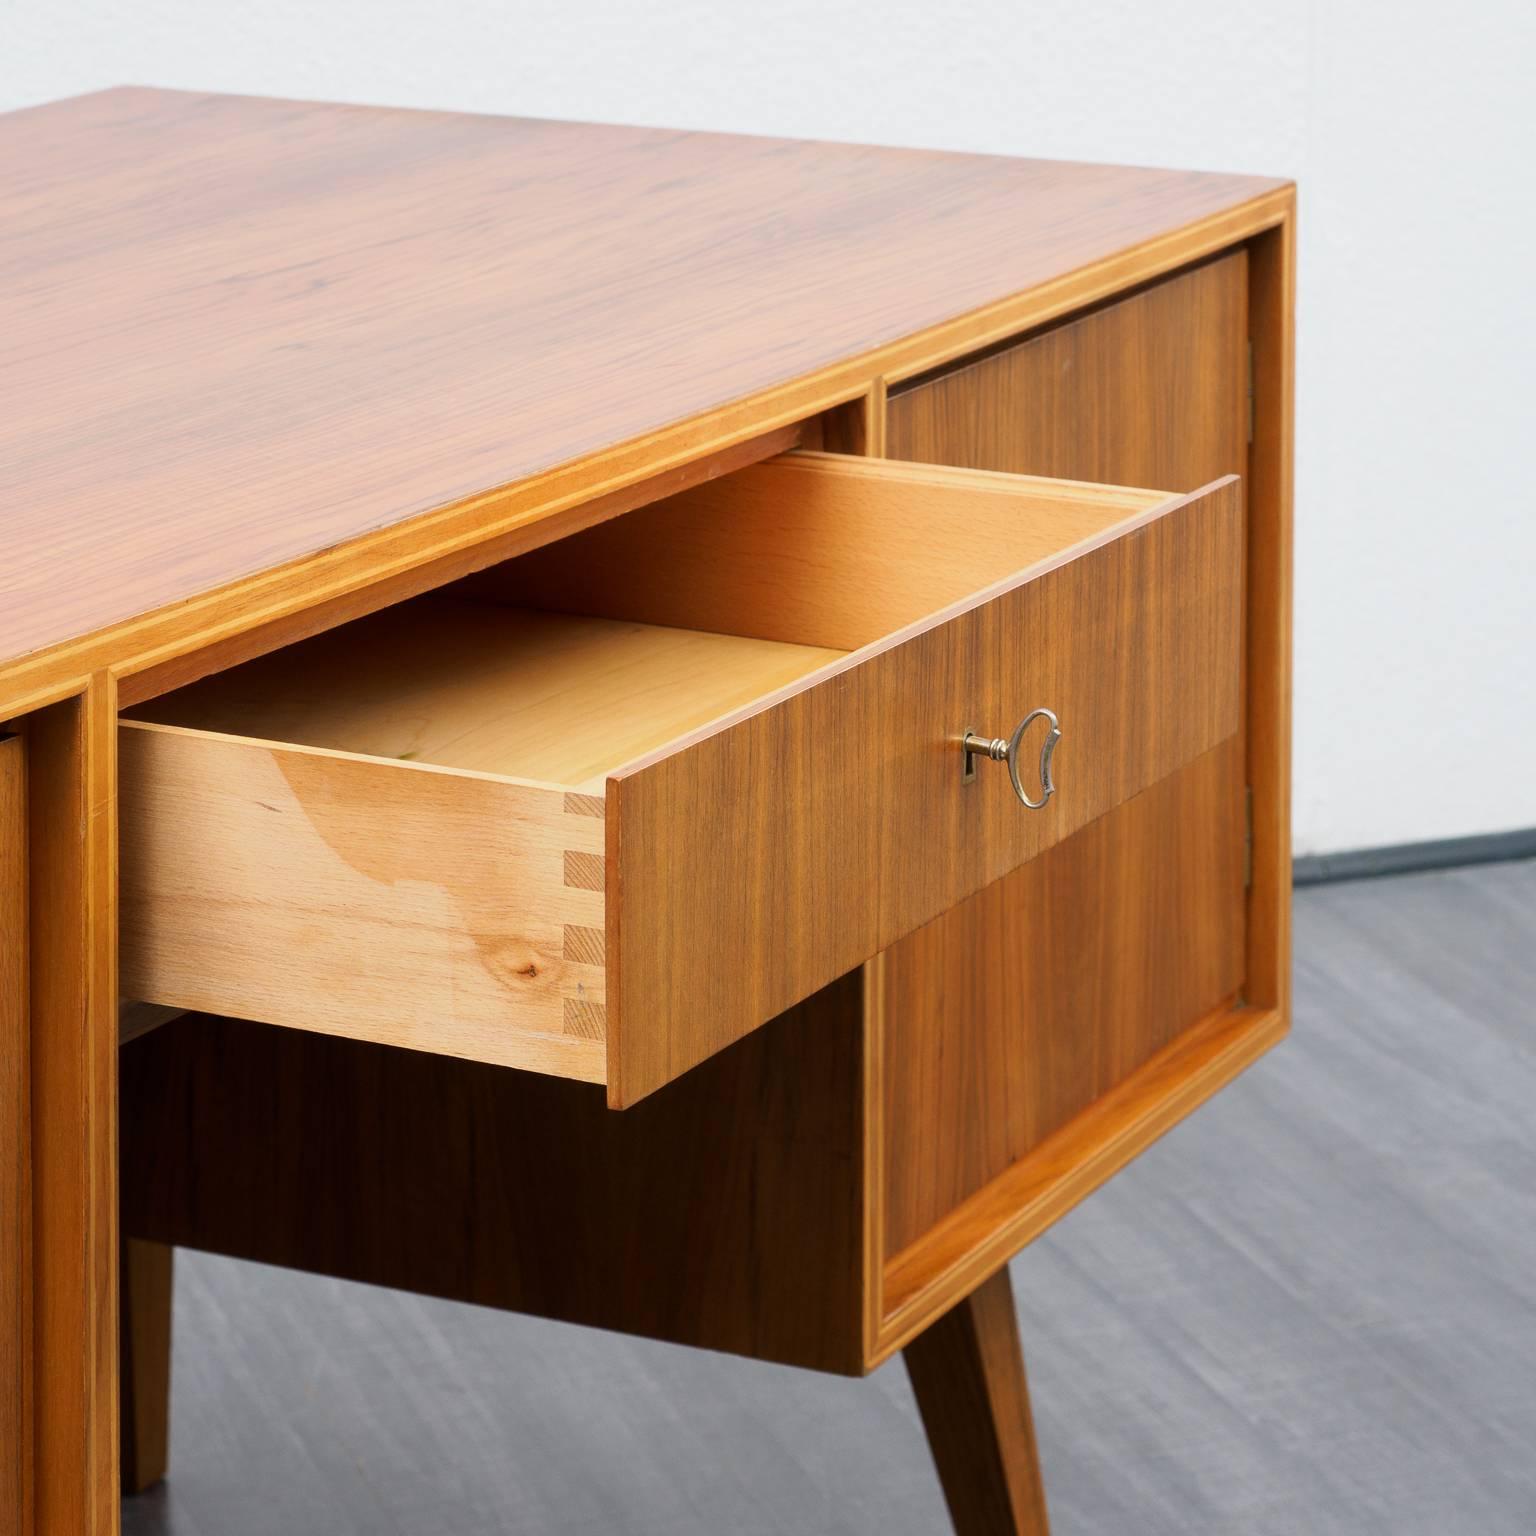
(1411, 127)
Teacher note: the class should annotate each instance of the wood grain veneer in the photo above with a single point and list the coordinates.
(817, 548)
(979, 1236)
(1143, 931)
(15, 1152)
(71, 846)
(968, 1377)
(415, 905)
(1009, 1017)
(308, 322)
(1151, 389)
(725, 1211)
(1134, 642)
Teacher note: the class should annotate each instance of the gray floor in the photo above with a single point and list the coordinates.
(1310, 1309)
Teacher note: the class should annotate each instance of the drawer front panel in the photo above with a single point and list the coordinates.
(443, 911)
(764, 859)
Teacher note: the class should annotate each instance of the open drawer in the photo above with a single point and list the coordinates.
(620, 801)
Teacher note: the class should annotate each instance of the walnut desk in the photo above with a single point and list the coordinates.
(678, 732)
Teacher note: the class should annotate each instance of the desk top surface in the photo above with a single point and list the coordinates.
(235, 332)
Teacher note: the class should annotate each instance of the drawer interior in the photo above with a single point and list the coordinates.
(563, 665)
(460, 680)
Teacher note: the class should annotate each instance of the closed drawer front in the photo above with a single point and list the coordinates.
(629, 797)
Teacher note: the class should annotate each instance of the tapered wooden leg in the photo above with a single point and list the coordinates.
(968, 1373)
(145, 1370)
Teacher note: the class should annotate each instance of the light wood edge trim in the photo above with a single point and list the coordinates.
(982, 482)
(270, 596)
(875, 404)
(1271, 464)
(872, 1089)
(102, 882)
(74, 1171)
(16, 1223)
(300, 749)
(1045, 1185)
(72, 1422)
(1164, 506)
(613, 908)
(18, 706)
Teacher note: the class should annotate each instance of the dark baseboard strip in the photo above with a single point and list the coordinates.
(1411, 858)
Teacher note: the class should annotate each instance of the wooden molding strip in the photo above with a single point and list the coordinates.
(978, 1238)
